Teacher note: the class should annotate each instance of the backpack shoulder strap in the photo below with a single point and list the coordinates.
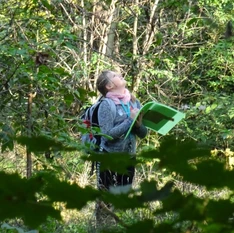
(112, 106)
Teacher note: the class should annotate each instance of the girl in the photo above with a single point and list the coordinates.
(112, 85)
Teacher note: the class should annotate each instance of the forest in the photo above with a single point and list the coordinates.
(178, 53)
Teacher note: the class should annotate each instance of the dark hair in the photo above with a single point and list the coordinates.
(102, 81)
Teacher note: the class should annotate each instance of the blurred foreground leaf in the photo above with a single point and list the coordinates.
(18, 199)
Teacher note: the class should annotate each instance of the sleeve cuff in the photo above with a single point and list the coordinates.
(129, 120)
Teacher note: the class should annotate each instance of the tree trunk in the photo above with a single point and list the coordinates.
(149, 36)
(111, 34)
(29, 134)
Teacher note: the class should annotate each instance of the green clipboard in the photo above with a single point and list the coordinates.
(158, 117)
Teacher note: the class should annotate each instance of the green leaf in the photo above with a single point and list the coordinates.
(151, 193)
(210, 173)
(46, 4)
(217, 228)
(146, 226)
(220, 211)
(188, 207)
(193, 20)
(74, 196)
(18, 199)
(122, 201)
(69, 98)
(43, 143)
(159, 37)
(210, 108)
(112, 161)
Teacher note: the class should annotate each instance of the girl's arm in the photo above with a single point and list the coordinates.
(139, 129)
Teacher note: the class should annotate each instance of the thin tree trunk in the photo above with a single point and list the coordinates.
(107, 28)
(135, 40)
(149, 36)
(104, 36)
(150, 29)
(85, 52)
(111, 34)
(29, 134)
(135, 46)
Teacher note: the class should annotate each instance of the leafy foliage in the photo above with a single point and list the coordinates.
(19, 196)
(178, 53)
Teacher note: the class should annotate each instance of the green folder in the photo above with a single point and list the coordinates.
(158, 117)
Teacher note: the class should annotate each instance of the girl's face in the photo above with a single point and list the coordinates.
(116, 80)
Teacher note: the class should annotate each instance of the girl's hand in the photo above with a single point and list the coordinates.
(138, 121)
(134, 112)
